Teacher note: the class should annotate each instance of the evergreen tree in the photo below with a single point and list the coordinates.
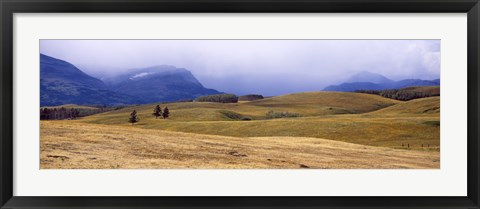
(133, 117)
(62, 113)
(55, 114)
(43, 113)
(166, 112)
(157, 112)
(72, 113)
(76, 113)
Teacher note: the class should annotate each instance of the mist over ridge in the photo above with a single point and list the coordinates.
(268, 67)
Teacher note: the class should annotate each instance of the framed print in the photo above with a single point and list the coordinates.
(240, 104)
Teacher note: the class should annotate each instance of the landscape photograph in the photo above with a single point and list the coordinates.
(239, 104)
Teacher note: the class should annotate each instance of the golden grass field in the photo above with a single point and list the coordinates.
(77, 145)
(334, 130)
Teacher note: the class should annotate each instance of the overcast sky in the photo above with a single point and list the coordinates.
(268, 67)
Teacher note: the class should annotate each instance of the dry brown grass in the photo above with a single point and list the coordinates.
(71, 144)
(323, 115)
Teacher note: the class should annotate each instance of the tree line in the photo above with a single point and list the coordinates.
(400, 94)
(250, 97)
(63, 113)
(227, 98)
(220, 98)
(58, 114)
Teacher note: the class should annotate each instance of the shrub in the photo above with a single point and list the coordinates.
(220, 98)
(184, 100)
(118, 107)
(245, 118)
(432, 123)
(272, 114)
(234, 116)
(368, 91)
(250, 97)
(231, 114)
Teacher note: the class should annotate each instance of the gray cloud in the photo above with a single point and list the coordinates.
(269, 67)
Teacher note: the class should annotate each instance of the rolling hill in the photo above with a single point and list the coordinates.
(324, 103)
(334, 130)
(423, 106)
(348, 117)
(305, 104)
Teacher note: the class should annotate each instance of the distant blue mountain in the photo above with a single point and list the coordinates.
(369, 77)
(379, 83)
(52, 69)
(63, 83)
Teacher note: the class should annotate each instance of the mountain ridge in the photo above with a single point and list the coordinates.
(366, 76)
(63, 83)
(389, 84)
(170, 83)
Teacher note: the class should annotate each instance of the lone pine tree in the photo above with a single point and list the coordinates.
(166, 112)
(133, 117)
(157, 112)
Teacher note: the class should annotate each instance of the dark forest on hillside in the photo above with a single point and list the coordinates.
(405, 94)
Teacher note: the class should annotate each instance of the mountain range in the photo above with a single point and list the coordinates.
(63, 83)
(371, 81)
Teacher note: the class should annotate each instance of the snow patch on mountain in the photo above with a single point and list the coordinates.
(141, 75)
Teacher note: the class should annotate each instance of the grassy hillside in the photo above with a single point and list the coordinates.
(325, 103)
(305, 104)
(424, 89)
(323, 115)
(424, 106)
(368, 131)
(72, 144)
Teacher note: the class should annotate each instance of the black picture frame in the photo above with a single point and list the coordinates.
(9, 7)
